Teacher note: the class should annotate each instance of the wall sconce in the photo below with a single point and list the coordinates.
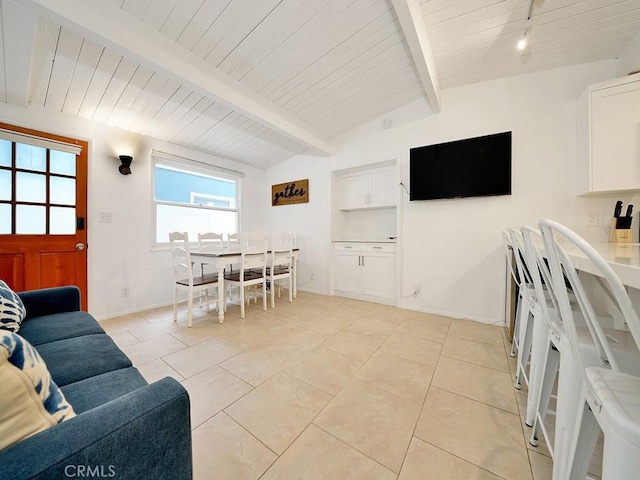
(126, 160)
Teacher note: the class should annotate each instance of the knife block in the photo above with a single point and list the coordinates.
(619, 235)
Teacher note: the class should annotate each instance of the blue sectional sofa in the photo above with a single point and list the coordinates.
(125, 428)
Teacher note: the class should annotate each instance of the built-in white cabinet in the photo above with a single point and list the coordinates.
(609, 137)
(365, 270)
(370, 189)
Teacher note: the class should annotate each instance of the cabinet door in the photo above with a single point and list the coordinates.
(378, 275)
(354, 191)
(615, 138)
(347, 273)
(382, 188)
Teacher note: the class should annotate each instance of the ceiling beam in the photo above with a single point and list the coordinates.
(105, 24)
(415, 32)
(18, 34)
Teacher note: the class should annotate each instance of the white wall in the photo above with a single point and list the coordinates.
(453, 248)
(120, 253)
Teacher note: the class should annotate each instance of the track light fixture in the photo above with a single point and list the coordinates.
(524, 41)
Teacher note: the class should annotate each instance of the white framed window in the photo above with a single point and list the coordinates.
(193, 197)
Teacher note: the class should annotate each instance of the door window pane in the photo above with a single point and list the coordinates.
(31, 187)
(63, 163)
(5, 153)
(5, 218)
(62, 221)
(30, 219)
(31, 157)
(62, 190)
(5, 184)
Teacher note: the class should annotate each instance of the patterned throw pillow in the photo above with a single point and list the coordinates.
(30, 401)
(12, 310)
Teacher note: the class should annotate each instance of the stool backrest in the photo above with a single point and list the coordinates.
(558, 241)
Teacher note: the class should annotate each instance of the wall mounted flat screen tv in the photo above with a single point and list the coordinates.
(474, 167)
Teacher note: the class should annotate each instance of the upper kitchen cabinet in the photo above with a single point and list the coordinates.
(608, 137)
(368, 189)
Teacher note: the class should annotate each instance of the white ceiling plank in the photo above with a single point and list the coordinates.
(354, 81)
(102, 75)
(337, 27)
(105, 24)
(179, 96)
(114, 90)
(137, 8)
(158, 13)
(231, 26)
(201, 21)
(18, 36)
(42, 60)
(410, 18)
(189, 115)
(397, 79)
(181, 14)
(393, 45)
(278, 58)
(178, 113)
(541, 45)
(263, 34)
(385, 104)
(332, 41)
(219, 130)
(356, 50)
(156, 93)
(291, 26)
(66, 59)
(133, 90)
(213, 115)
(86, 65)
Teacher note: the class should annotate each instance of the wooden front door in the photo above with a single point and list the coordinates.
(43, 210)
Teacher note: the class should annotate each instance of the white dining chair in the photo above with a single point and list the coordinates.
(252, 270)
(523, 336)
(512, 271)
(597, 384)
(185, 279)
(281, 264)
(207, 242)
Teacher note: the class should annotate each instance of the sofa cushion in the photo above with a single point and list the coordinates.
(92, 392)
(12, 310)
(30, 401)
(74, 359)
(51, 328)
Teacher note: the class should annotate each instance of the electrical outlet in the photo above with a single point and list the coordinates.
(592, 218)
(312, 276)
(106, 217)
(125, 291)
(416, 290)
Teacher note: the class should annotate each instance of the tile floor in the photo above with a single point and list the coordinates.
(332, 388)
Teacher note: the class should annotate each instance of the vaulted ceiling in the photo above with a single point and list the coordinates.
(259, 81)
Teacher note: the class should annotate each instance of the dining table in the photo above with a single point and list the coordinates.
(220, 258)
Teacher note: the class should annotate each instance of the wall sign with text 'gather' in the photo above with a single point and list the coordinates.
(290, 193)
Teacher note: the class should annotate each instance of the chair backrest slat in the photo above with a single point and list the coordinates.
(557, 239)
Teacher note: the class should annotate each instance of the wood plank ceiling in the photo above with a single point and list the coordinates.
(331, 64)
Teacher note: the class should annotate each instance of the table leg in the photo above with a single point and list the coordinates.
(222, 301)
